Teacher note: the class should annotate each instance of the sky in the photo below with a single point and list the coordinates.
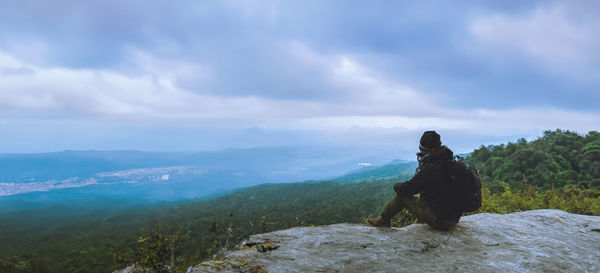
(205, 75)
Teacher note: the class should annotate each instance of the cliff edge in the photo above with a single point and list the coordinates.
(530, 241)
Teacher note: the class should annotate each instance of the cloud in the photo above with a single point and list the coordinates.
(374, 71)
(549, 33)
(158, 89)
(243, 47)
(88, 92)
(366, 99)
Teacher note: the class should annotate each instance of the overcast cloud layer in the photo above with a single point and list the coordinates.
(165, 76)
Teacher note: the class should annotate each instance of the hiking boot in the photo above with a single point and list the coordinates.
(379, 222)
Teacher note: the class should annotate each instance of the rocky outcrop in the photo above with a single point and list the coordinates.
(531, 241)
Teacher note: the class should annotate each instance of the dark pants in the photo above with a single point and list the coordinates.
(419, 208)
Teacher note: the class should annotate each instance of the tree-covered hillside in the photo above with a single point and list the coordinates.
(78, 239)
(393, 169)
(558, 158)
(106, 243)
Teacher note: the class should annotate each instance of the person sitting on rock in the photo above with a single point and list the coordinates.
(430, 181)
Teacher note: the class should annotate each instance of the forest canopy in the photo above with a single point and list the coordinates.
(558, 158)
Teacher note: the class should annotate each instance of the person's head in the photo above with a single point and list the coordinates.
(430, 141)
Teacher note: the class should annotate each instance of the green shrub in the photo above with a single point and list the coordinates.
(569, 198)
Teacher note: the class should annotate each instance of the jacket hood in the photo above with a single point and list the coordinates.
(440, 154)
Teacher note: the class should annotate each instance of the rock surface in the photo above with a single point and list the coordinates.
(531, 241)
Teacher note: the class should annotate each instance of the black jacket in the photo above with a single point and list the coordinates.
(430, 181)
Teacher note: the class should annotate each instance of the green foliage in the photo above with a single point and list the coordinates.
(559, 158)
(155, 237)
(107, 243)
(594, 184)
(569, 198)
(404, 218)
(25, 264)
(156, 249)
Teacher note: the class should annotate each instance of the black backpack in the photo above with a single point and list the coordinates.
(464, 184)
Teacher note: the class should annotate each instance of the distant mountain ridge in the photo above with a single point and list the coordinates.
(393, 169)
(166, 175)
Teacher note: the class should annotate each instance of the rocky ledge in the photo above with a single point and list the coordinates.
(530, 241)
